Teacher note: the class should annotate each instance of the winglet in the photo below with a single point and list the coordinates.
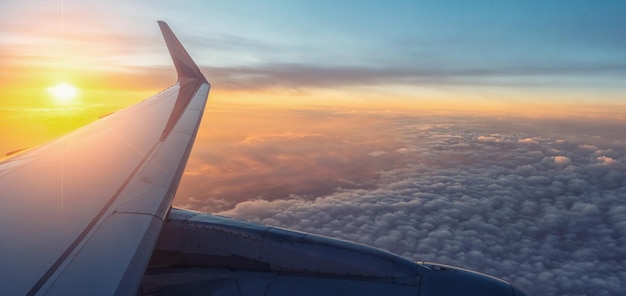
(189, 77)
(185, 66)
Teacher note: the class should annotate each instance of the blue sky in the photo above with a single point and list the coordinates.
(446, 40)
(525, 38)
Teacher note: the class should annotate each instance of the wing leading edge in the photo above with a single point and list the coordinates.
(81, 215)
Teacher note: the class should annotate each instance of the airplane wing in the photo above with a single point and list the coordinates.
(81, 215)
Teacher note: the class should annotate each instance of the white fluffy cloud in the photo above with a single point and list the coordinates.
(550, 216)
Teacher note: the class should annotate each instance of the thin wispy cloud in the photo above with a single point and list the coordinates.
(307, 76)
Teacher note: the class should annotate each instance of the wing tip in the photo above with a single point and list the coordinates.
(185, 66)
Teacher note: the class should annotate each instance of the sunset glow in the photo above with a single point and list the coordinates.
(63, 93)
(117, 59)
(405, 64)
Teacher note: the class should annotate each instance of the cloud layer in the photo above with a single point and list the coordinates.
(546, 212)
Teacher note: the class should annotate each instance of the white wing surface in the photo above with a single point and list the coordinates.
(81, 215)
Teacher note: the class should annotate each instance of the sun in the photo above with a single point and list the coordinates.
(63, 93)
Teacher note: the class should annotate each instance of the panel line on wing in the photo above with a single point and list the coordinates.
(138, 213)
(53, 268)
(188, 89)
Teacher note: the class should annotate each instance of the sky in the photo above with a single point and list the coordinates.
(483, 134)
(535, 58)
